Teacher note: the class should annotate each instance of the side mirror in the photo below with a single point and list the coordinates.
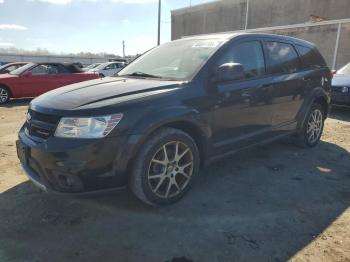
(230, 72)
(27, 74)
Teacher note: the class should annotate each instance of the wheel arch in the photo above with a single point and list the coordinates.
(195, 132)
(7, 88)
(319, 95)
(322, 100)
(186, 123)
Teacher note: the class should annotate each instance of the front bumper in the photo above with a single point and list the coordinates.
(75, 165)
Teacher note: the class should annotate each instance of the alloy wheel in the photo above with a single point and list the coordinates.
(170, 169)
(4, 95)
(314, 126)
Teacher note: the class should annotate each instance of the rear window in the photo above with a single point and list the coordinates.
(310, 57)
(283, 58)
(73, 68)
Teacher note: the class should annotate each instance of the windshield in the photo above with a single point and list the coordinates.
(178, 60)
(3, 66)
(22, 69)
(92, 66)
(345, 70)
(102, 66)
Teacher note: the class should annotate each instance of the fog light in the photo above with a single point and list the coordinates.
(345, 89)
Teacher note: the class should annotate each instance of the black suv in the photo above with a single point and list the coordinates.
(176, 108)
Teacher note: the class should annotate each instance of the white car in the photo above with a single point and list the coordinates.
(92, 66)
(108, 69)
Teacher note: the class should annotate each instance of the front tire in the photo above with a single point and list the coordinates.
(312, 130)
(165, 167)
(4, 95)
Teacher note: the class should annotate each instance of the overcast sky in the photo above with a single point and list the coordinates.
(73, 26)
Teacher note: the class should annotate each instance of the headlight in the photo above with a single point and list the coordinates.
(84, 127)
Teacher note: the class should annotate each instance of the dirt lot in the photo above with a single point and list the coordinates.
(274, 203)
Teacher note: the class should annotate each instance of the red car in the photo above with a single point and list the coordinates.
(5, 69)
(35, 79)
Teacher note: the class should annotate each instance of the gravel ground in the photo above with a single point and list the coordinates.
(274, 203)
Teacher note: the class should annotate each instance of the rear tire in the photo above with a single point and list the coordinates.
(165, 167)
(311, 132)
(4, 95)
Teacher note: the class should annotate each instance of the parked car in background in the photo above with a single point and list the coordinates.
(34, 79)
(92, 66)
(5, 69)
(108, 69)
(178, 107)
(78, 64)
(341, 87)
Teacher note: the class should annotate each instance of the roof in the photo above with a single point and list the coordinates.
(54, 63)
(17, 63)
(230, 35)
(71, 66)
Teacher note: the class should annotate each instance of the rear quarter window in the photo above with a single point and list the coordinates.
(310, 57)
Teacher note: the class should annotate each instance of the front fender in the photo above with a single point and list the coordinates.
(154, 120)
(166, 117)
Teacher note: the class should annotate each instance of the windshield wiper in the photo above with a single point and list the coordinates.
(141, 74)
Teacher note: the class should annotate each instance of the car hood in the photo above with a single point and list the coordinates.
(341, 80)
(101, 92)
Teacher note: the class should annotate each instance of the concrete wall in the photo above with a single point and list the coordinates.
(32, 58)
(230, 15)
(265, 13)
(343, 56)
(208, 18)
(323, 36)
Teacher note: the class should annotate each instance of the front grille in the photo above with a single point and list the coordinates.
(41, 125)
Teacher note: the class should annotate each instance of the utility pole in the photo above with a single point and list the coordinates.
(159, 16)
(246, 16)
(123, 48)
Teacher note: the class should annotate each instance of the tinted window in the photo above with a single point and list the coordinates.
(62, 69)
(310, 57)
(282, 57)
(48, 69)
(249, 54)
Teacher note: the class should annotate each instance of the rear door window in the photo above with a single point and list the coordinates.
(282, 57)
(310, 57)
